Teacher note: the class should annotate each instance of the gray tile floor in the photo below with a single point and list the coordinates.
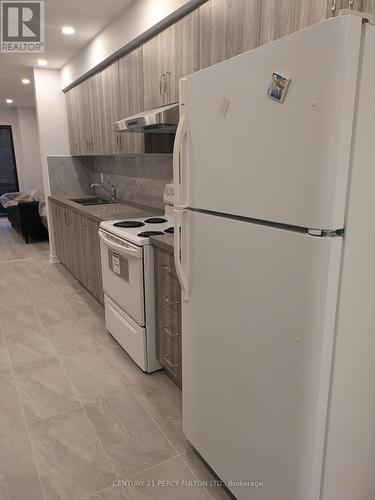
(77, 417)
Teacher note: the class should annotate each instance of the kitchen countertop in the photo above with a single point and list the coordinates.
(119, 210)
(165, 241)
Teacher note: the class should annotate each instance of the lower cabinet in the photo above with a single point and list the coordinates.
(78, 247)
(168, 314)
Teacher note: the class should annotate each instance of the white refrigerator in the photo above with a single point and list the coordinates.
(274, 167)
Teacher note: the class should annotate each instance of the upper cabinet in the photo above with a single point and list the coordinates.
(148, 77)
(110, 109)
(227, 28)
(73, 106)
(91, 96)
(169, 56)
(131, 97)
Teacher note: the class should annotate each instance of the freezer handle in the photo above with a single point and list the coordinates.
(182, 276)
(180, 134)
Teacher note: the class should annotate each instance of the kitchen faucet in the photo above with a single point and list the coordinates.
(111, 191)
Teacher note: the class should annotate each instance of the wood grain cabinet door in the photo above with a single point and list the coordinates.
(168, 315)
(131, 99)
(282, 17)
(367, 6)
(110, 110)
(90, 95)
(169, 56)
(316, 11)
(182, 54)
(74, 112)
(154, 67)
(55, 213)
(227, 28)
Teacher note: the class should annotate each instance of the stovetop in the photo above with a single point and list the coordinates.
(138, 231)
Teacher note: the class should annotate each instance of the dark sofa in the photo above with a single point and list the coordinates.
(25, 218)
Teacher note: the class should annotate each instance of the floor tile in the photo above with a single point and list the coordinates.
(13, 296)
(71, 460)
(124, 364)
(111, 493)
(130, 437)
(203, 473)
(153, 484)
(18, 320)
(163, 399)
(83, 304)
(40, 292)
(8, 277)
(95, 325)
(19, 478)
(28, 271)
(54, 312)
(10, 408)
(92, 376)
(5, 363)
(28, 349)
(70, 338)
(45, 392)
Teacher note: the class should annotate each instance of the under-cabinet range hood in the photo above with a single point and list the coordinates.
(158, 120)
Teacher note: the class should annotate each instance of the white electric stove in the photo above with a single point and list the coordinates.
(128, 281)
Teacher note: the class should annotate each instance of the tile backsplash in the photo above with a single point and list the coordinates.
(138, 178)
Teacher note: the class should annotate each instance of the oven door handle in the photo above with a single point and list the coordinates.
(136, 253)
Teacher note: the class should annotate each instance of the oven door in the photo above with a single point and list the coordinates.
(122, 269)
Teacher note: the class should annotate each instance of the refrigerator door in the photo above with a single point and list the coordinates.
(258, 329)
(249, 155)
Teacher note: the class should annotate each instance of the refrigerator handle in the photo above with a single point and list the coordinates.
(182, 276)
(177, 148)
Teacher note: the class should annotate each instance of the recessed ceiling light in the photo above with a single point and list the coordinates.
(68, 30)
(42, 62)
(26, 81)
(9, 101)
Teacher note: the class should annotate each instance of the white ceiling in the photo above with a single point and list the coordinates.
(88, 17)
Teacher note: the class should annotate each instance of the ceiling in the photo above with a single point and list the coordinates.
(88, 17)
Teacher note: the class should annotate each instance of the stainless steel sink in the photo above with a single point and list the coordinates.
(92, 201)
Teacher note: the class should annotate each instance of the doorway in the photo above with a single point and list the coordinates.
(8, 167)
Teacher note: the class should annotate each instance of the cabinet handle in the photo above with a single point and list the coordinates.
(161, 84)
(333, 7)
(66, 217)
(169, 363)
(167, 83)
(170, 334)
(120, 145)
(351, 4)
(169, 301)
(168, 269)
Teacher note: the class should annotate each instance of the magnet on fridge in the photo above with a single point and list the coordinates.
(278, 87)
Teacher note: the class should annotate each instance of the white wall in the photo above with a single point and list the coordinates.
(26, 145)
(138, 18)
(52, 125)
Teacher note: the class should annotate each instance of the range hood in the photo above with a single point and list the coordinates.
(156, 121)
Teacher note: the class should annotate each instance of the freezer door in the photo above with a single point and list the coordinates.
(257, 337)
(249, 155)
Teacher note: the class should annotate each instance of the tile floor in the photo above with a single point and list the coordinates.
(77, 417)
